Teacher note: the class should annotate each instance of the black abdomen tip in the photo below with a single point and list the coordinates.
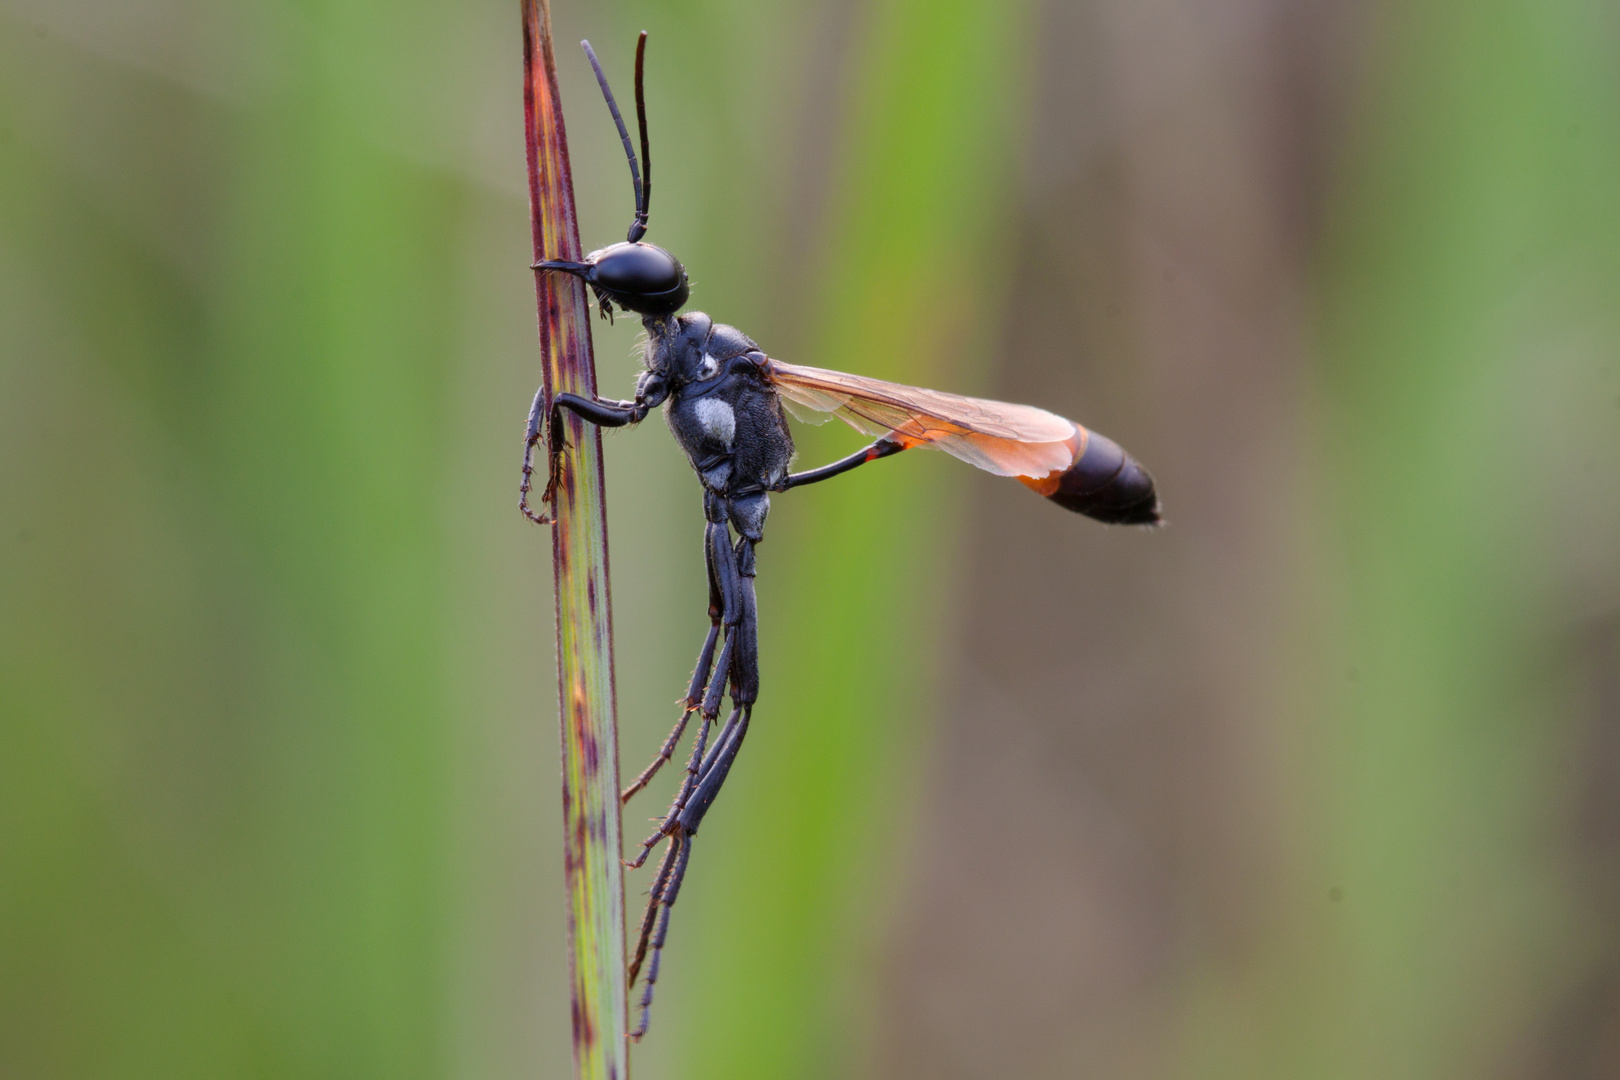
(1109, 485)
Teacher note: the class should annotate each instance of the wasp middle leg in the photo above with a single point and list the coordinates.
(696, 691)
(705, 690)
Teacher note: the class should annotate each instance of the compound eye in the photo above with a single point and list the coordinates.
(636, 270)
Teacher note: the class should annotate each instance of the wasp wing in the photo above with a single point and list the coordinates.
(1002, 438)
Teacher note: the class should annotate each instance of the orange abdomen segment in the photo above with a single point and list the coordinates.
(1104, 483)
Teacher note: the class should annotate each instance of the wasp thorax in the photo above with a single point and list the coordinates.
(638, 277)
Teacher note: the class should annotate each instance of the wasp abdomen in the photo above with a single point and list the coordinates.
(1107, 484)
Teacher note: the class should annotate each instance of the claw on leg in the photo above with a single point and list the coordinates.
(545, 517)
(531, 440)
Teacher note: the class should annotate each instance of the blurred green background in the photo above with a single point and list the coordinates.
(1323, 780)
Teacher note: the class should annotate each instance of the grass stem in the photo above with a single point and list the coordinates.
(591, 838)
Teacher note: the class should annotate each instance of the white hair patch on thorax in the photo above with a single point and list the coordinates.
(718, 419)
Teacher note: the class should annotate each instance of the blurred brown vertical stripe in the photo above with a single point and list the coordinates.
(1109, 797)
(1286, 790)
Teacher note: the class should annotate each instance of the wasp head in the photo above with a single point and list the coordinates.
(635, 276)
(638, 277)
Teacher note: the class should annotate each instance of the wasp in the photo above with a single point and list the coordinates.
(723, 398)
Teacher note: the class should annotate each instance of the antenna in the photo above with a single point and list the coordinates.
(639, 225)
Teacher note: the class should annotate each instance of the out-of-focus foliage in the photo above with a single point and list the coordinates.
(1322, 780)
(1466, 449)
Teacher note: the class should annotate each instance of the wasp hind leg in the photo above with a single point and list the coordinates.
(670, 875)
(738, 667)
(672, 871)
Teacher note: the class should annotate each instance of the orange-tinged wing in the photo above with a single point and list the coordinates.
(1005, 439)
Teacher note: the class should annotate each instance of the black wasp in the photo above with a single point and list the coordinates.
(723, 398)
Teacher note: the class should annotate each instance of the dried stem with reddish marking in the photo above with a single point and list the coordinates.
(591, 838)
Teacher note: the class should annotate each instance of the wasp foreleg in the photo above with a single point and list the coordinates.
(599, 411)
(531, 440)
